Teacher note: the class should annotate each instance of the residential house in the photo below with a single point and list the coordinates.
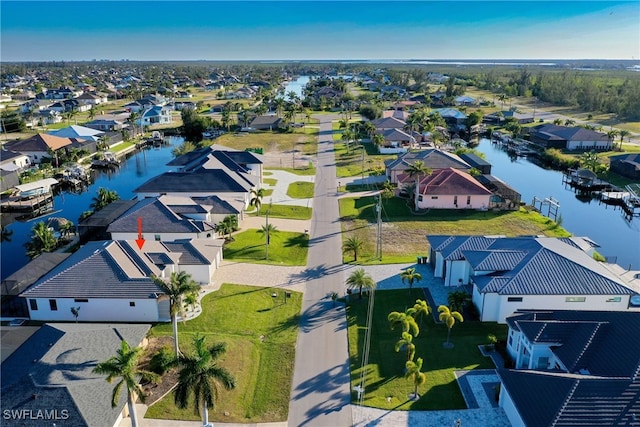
(448, 189)
(432, 158)
(106, 125)
(569, 138)
(155, 115)
(38, 146)
(245, 162)
(529, 273)
(49, 379)
(11, 164)
(395, 141)
(500, 117)
(626, 165)
(504, 196)
(79, 132)
(267, 122)
(464, 100)
(94, 227)
(134, 107)
(396, 114)
(91, 99)
(572, 368)
(111, 280)
(476, 162)
(456, 120)
(385, 123)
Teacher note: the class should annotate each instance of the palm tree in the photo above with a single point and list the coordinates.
(416, 170)
(75, 312)
(406, 341)
(378, 139)
(590, 160)
(569, 122)
(502, 98)
(267, 230)
(42, 240)
(103, 198)
(449, 318)
(201, 376)
(178, 285)
(410, 275)
(256, 198)
(623, 133)
(458, 300)
(359, 279)
(228, 225)
(422, 309)
(369, 128)
(612, 135)
(353, 244)
(414, 372)
(557, 122)
(124, 365)
(406, 320)
(66, 228)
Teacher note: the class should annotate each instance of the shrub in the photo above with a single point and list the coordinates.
(162, 360)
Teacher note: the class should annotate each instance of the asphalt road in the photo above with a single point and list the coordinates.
(320, 394)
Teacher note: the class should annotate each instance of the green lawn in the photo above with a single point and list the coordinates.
(385, 370)
(300, 190)
(285, 248)
(269, 181)
(403, 233)
(239, 315)
(303, 139)
(285, 211)
(309, 170)
(352, 162)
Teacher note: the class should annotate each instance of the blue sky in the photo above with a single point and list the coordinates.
(290, 30)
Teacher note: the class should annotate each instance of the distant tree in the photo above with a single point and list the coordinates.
(410, 275)
(103, 198)
(449, 318)
(42, 240)
(256, 198)
(405, 319)
(414, 372)
(353, 244)
(359, 279)
(421, 309)
(267, 230)
(407, 342)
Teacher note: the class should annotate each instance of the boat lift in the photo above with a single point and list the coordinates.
(553, 206)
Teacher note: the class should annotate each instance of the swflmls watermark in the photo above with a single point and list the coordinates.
(36, 414)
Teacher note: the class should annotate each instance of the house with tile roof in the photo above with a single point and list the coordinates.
(169, 218)
(571, 138)
(507, 274)
(448, 189)
(79, 132)
(572, 368)
(37, 146)
(111, 280)
(432, 158)
(49, 379)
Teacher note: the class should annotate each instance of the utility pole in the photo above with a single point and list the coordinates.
(379, 228)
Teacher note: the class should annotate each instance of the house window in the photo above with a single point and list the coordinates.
(420, 198)
(510, 341)
(33, 304)
(80, 300)
(514, 299)
(434, 197)
(455, 200)
(157, 237)
(132, 303)
(615, 299)
(53, 305)
(575, 299)
(468, 200)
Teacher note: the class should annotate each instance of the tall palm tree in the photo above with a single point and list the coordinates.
(267, 230)
(353, 244)
(201, 376)
(410, 275)
(359, 279)
(416, 170)
(42, 240)
(414, 372)
(405, 319)
(422, 310)
(590, 160)
(449, 318)
(103, 198)
(178, 285)
(124, 365)
(256, 198)
(623, 133)
(378, 139)
(612, 135)
(569, 122)
(407, 342)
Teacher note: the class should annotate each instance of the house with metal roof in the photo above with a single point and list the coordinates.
(448, 189)
(234, 160)
(158, 114)
(432, 158)
(572, 368)
(529, 273)
(81, 132)
(111, 280)
(49, 379)
(571, 138)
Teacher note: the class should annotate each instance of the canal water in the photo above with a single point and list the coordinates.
(618, 238)
(296, 86)
(138, 167)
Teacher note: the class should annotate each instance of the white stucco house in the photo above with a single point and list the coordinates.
(529, 273)
(111, 280)
(572, 368)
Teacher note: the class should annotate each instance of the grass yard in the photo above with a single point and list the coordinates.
(300, 190)
(284, 211)
(269, 181)
(403, 233)
(351, 163)
(239, 316)
(285, 248)
(301, 139)
(306, 171)
(385, 370)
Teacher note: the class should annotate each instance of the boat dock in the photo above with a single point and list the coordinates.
(31, 197)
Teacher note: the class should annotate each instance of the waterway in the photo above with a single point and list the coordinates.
(296, 86)
(137, 168)
(618, 238)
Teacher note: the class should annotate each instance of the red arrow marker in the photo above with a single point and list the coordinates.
(140, 239)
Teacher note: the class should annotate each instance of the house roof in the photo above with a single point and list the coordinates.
(216, 205)
(396, 135)
(156, 217)
(550, 131)
(600, 351)
(38, 142)
(35, 269)
(267, 120)
(108, 214)
(75, 131)
(432, 158)
(389, 123)
(474, 160)
(200, 181)
(450, 182)
(8, 155)
(450, 112)
(190, 157)
(53, 369)
(550, 266)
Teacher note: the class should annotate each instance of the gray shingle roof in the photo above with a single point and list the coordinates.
(212, 181)
(432, 158)
(56, 365)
